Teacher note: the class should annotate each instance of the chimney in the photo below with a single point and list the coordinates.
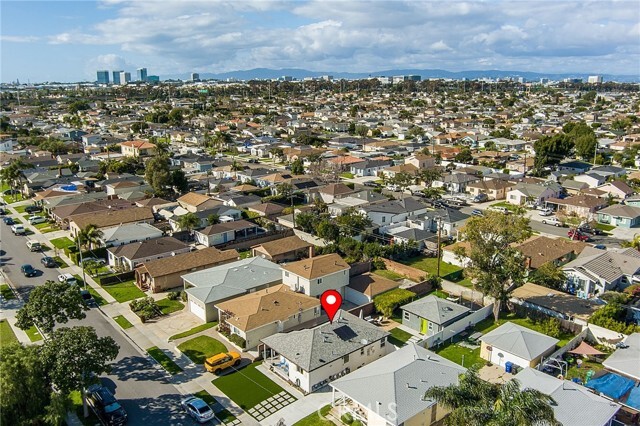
(311, 251)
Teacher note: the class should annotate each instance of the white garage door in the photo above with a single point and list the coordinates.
(197, 310)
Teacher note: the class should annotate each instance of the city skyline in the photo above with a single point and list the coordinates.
(173, 38)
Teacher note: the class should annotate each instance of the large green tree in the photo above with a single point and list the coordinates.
(188, 221)
(551, 150)
(74, 355)
(474, 402)
(352, 222)
(179, 181)
(50, 304)
(496, 264)
(157, 174)
(548, 275)
(296, 167)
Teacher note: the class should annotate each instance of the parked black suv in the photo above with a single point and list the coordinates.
(106, 405)
(33, 209)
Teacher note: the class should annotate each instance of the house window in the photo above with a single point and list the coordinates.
(383, 342)
(406, 315)
(362, 351)
(299, 369)
(345, 358)
(319, 281)
(383, 218)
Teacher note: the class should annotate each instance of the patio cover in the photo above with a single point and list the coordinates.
(586, 349)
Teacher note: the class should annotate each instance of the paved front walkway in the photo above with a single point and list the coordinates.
(300, 408)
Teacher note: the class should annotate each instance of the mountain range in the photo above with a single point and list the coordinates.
(299, 74)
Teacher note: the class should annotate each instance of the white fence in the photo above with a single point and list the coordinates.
(457, 327)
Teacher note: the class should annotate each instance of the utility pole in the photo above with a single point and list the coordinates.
(595, 154)
(439, 246)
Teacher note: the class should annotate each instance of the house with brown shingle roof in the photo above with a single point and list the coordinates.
(164, 274)
(270, 210)
(284, 249)
(364, 287)
(195, 202)
(496, 189)
(264, 313)
(581, 205)
(539, 250)
(108, 218)
(225, 232)
(315, 275)
(129, 256)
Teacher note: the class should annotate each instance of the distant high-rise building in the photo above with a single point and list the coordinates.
(327, 77)
(116, 76)
(594, 79)
(103, 77)
(125, 77)
(520, 80)
(153, 79)
(142, 74)
(195, 76)
(544, 80)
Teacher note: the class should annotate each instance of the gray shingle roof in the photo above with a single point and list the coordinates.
(575, 405)
(626, 360)
(519, 341)
(399, 379)
(313, 348)
(608, 265)
(436, 309)
(224, 281)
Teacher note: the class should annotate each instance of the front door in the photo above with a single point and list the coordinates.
(423, 326)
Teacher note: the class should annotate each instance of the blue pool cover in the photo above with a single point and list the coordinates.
(634, 398)
(612, 385)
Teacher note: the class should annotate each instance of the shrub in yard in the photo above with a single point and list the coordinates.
(435, 282)
(551, 327)
(183, 295)
(616, 297)
(238, 341)
(146, 308)
(346, 418)
(633, 290)
(379, 265)
(356, 423)
(387, 302)
(173, 295)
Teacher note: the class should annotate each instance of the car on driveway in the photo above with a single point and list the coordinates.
(88, 260)
(545, 212)
(553, 221)
(35, 219)
(105, 405)
(498, 209)
(574, 234)
(48, 262)
(28, 270)
(476, 212)
(480, 198)
(219, 362)
(198, 409)
(32, 209)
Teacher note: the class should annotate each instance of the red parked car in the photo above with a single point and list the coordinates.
(574, 234)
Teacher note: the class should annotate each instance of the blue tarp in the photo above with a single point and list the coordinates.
(69, 187)
(634, 398)
(612, 385)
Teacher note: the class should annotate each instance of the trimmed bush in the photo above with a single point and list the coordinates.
(346, 418)
(183, 295)
(146, 308)
(387, 302)
(173, 295)
(356, 423)
(238, 341)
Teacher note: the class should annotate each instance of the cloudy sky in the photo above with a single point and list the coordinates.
(69, 41)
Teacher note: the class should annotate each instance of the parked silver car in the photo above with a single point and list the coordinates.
(198, 409)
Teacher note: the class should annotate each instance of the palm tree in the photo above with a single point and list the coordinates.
(89, 236)
(188, 221)
(475, 402)
(635, 243)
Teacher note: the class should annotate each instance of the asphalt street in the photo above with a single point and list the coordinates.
(143, 389)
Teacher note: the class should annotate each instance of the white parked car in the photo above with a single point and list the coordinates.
(499, 209)
(67, 278)
(553, 221)
(34, 220)
(545, 212)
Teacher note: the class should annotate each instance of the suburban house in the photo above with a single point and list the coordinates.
(311, 358)
(432, 314)
(620, 215)
(593, 180)
(555, 303)
(574, 166)
(386, 212)
(210, 286)
(269, 210)
(264, 313)
(137, 149)
(539, 250)
(225, 232)
(129, 256)
(575, 405)
(574, 187)
(329, 193)
(456, 182)
(360, 198)
(283, 250)
(530, 193)
(617, 189)
(516, 344)
(128, 233)
(165, 274)
(624, 360)
(610, 171)
(315, 275)
(109, 218)
(364, 287)
(193, 202)
(390, 391)
(369, 167)
(584, 206)
(595, 271)
(495, 189)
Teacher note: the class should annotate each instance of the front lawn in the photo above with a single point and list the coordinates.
(123, 322)
(193, 331)
(168, 306)
(605, 227)
(347, 175)
(224, 415)
(62, 243)
(60, 263)
(202, 347)
(164, 360)
(399, 337)
(247, 387)
(124, 291)
(34, 334)
(7, 336)
(6, 292)
(508, 206)
(317, 418)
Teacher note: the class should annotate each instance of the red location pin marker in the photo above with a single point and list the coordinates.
(331, 301)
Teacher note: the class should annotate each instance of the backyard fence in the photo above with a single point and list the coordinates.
(572, 344)
(249, 242)
(359, 268)
(457, 327)
(410, 272)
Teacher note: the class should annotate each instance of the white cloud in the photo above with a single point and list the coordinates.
(178, 36)
(18, 39)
